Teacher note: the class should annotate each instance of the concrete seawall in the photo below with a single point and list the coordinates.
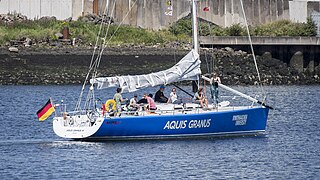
(301, 53)
(151, 14)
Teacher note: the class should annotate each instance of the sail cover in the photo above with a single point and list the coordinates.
(188, 68)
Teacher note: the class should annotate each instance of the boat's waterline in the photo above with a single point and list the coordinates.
(177, 137)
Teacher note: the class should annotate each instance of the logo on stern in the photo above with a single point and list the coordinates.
(240, 120)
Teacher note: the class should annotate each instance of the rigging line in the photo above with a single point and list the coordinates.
(87, 103)
(91, 62)
(209, 72)
(251, 46)
(206, 58)
(98, 58)
(183, 90)
(95, 65)
(121, 22)
(104, 43)
(99, 33)
(212, 62)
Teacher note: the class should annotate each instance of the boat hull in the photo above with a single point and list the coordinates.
(213, 123)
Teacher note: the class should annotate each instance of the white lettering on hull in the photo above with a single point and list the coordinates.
(182, 124)
(240, 120)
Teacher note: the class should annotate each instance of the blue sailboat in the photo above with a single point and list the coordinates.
(187, 120)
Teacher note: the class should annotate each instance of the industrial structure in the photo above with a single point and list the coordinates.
(157, 14)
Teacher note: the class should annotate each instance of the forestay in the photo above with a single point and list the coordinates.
(188, 68)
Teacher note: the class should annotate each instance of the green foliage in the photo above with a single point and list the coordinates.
(218, 31)
(277, 28)
(204, 29)
(311, 28)
(137, 36)
(235, 30)
(181, 31)
(37, 30)
(87, 32)
(183, 26)
(286, 28)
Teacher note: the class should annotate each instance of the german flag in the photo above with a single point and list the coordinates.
(45, 111)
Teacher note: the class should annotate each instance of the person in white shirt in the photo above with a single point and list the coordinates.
(133, 106)
(174, 97)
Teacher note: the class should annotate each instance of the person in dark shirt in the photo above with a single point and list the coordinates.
(215, 81)
(159, 97)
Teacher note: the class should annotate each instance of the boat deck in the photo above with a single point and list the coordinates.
(72, 119)
(175, 109)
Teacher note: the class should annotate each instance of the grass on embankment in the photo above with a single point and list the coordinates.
(86, 33)
(44, 31)
(276, 28)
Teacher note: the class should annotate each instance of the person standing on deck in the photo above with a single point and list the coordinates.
(118, 99)
(215, 81)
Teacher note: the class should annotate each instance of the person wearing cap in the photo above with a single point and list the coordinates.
(133, 103)
(160, 97)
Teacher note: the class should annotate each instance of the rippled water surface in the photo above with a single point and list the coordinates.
(29, 149)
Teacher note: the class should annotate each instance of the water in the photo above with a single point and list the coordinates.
(30, 150)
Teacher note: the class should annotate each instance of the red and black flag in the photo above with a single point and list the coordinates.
(206, 9)
(45, 111)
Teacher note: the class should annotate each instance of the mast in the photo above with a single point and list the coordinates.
(196, 83)
(195, 27)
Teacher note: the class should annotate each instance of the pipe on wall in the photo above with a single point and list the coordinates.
(82, 8)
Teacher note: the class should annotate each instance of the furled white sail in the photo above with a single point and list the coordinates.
(188, 68)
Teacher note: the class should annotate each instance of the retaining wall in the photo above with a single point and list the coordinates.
(152, 13)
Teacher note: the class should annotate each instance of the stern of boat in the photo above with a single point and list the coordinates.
(76, 127)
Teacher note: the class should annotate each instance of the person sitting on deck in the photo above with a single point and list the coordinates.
(142, 101)
(159, 97)
(174, 97)
(133, 106)
(151, 105)
(200, 98)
